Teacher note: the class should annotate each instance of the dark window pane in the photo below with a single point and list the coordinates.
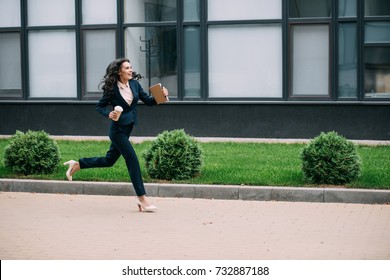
(150, 10)
(191, 9)
(347, 8)
(377, 8)
(153, 53)
(192, 61)
(377, 32)
(310, 8)
(377, 72)
(347, 60)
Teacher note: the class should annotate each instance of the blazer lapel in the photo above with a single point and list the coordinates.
(134, 91)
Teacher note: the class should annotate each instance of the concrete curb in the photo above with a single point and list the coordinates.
(230, 192)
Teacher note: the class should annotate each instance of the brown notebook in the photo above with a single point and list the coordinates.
(158, 93)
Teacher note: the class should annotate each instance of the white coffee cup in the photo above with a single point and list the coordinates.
(118, 110)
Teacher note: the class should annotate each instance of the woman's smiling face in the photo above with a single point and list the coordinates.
(126, 72)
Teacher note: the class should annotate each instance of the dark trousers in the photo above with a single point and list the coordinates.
(120, 145)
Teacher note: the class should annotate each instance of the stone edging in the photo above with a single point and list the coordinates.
(258, 193)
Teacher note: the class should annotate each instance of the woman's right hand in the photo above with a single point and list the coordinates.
(112, 115)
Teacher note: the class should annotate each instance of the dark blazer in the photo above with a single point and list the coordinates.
(129, 114)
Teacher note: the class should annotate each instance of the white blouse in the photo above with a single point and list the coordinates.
(126, 92)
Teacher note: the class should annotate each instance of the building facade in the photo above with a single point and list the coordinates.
(249, 68)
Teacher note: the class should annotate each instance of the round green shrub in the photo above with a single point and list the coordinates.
(174, 155)
(32, 152)
(330, 159)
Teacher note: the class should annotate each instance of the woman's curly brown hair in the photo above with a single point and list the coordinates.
(112, 75)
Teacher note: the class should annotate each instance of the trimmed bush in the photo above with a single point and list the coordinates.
(32, 152)
(330, 159)
(174, 155)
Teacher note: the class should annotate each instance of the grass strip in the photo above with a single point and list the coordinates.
(226, 163)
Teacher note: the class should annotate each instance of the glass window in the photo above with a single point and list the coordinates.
(191, 10)
(99, 51)
(248, 66)
(52, 64)
(377, 71)
(377, 8)
(9, 13)
(99, 11)
(150, 10)
(192, 62)
(347, 8)
(347, 60)
(153, 54)
(245, 9)
(10, 66)
(310, 60)
(377, 31)
(310, 8)
(49, 12)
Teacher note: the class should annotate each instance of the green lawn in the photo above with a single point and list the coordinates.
(259, 164)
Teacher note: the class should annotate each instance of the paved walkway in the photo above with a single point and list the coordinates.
(59, 226)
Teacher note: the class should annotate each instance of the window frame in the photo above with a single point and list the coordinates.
(365, 45)
(345, 20)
